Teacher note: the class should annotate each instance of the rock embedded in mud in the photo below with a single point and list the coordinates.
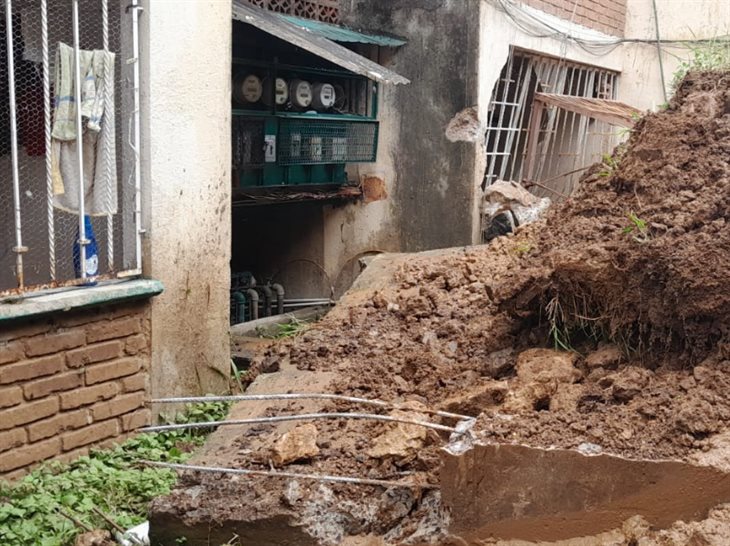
(629, 382)
(298, 444)
(566, 397)
(697, 417)
(547, 365)
(401, 441)
(474, 400)
(498, 364)
(607, 356)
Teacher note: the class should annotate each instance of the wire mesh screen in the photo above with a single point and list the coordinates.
(567, 141)
(45, 208)
(307, 142)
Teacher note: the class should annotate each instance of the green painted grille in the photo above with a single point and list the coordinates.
(313, 142)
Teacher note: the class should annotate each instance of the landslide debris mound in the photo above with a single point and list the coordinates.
(641, 252)
(631, 272)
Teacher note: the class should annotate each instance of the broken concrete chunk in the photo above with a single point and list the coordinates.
(401, 440)
(297, 444)
(607, 356)
(547, 365)
(499, 363)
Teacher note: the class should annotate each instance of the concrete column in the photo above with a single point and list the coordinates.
(186, 127)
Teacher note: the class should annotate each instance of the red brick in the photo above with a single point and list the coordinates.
(94, 353)
(89, 395)
(136, 344)
(117, 368)
(12, 396)
(26, 330)
(12, 439)
(90, 434)
(54, 342)
(29, 454)
(111, 329)
(118, 406)
(11, 352)
(60, 423)
(135, 383)
(28, 413)
(30, 369)
(135, 420)
(56, 383)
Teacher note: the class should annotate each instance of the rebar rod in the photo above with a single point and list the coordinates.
(301, 417)
(293, 475)
(306, 396)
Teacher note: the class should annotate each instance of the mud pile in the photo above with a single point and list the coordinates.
(603, 328)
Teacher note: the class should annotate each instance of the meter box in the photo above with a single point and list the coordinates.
(295, 125)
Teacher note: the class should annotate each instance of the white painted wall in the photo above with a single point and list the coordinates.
(186, 124)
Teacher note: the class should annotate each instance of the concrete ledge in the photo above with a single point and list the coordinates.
(63, 300)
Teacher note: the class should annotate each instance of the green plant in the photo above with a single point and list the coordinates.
(711, 55)
(609, 163)
(638, 228)
(522, 248)
(559, 333)
(109, 479)
(292, 328)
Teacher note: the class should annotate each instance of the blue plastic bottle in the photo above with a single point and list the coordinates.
(92, 253)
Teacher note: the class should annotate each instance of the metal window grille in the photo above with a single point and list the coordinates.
(40, 239)
(327, 11)
(567, 141)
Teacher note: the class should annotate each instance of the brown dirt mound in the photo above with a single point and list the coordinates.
(466, 330)
(659, 289)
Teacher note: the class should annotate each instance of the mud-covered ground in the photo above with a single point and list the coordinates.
(603, 327)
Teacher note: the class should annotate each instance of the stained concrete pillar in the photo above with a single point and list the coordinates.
(186, 127)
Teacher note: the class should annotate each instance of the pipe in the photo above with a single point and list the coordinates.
(253, 301)
(279, 289)
(107, 151)
(659, 50)
(19, 249)
(83, 241)
(268, 299)
(240, 307)
(135, 7)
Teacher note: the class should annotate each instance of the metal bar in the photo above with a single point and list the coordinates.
(47, 127)
(301, 417)
(515, 116)
(291, 475)
(137, 137)
(521, 134)
(19, 249)
(304, 396)
(107, 151)
(83, 241)
(497, 135)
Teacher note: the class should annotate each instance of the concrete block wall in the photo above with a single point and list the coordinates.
(71, 381)
(607, 16)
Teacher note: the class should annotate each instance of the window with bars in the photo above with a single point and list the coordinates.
(327, 11)
(68, 214)
(567, 141)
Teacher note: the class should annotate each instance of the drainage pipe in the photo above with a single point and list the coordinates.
(268, 299)
(253, 302)
(279, 289)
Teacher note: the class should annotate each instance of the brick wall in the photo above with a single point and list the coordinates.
(607, 16)
(70, 382)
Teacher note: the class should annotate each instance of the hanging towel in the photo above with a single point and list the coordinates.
(98, 138)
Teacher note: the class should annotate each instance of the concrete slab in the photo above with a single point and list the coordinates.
(518, 492)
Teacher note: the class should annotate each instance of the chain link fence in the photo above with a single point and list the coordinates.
(48, 188)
